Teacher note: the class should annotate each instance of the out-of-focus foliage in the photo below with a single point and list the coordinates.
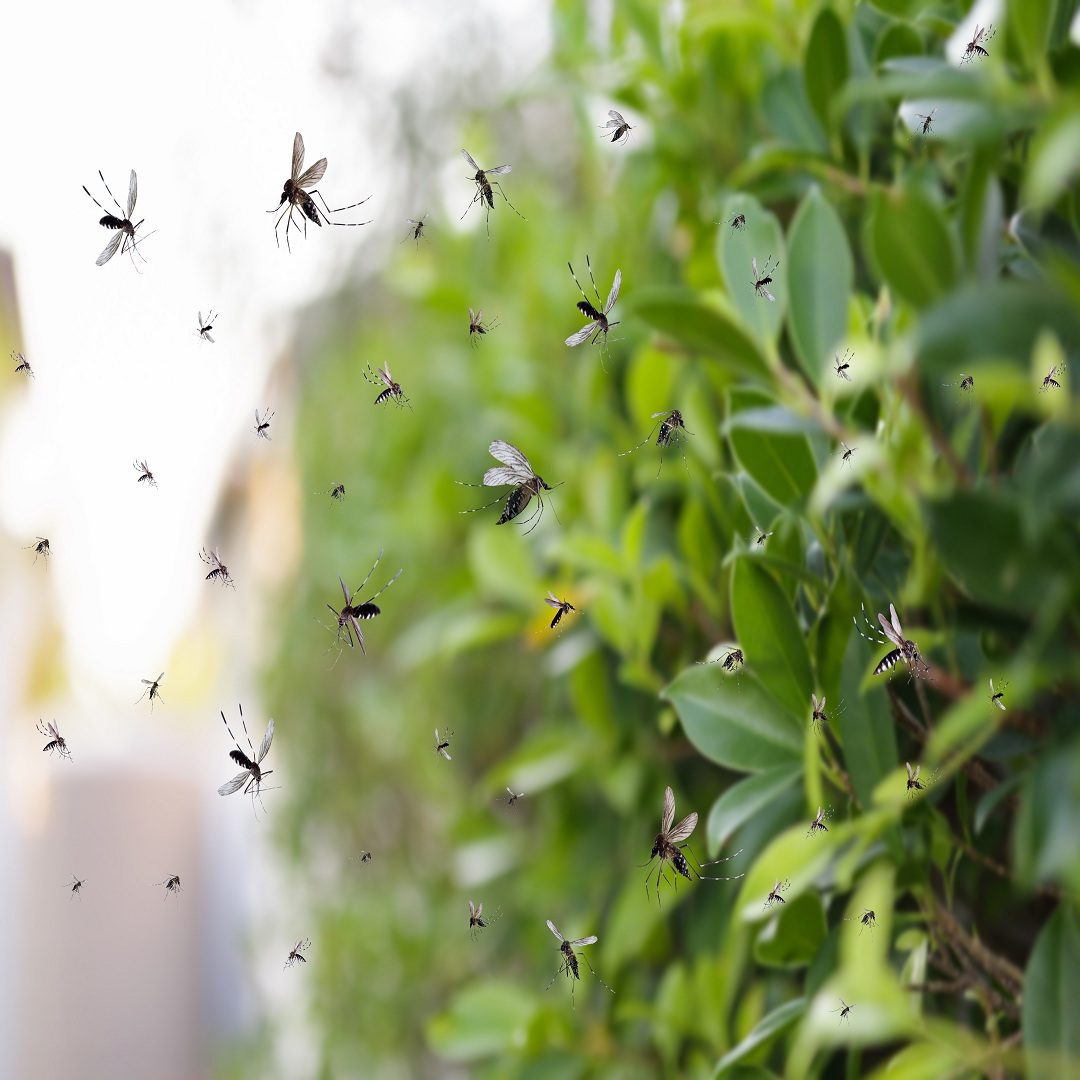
(929, 258)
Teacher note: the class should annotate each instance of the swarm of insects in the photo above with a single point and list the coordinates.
(905, 650)
(621, 128)
(913, 782)
(75, 885)
(125, 230)
(218, 570)
(485, 189)
(599, 324)
(145, 475)
(926, 119)
(671, 432)
(253, 774)
(297, 195)
(1052, 376)
(763, 278)
(843, 366)
(41, 547)
(569, 965)
(442, 743)
(975, 47)
(775, 896)
(818, 824)
(867, 920)
(738, 222)
(153, 688)
(391, 391)
(512, 796)
(262, 424)
(416, 230)
(562, 607)
(997, 697)
(478, 328)
(22, 365)
(56, 742)
(516, 471)
(670, 845)
(172, 886)
(205, 326)
(296, 956)
(352, 613)
(844, 1009)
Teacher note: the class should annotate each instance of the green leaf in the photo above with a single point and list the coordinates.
(818, 311)
(485, 1019)
(788, 113)
(1029, 24)
(760, 238)
(793, 938)
(732, 721)
(767, 1028)
(898, 39)
(770, 635)
(745, 800)
(825, 67)
(1055, 157)
(1051, 993)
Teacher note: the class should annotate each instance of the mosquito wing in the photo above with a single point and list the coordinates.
(209, 337)
(499, 170)
(555, 930)
(512, 456)
(579, 942)
(235, 784)
(911, 775)
(683, 829)
(814, 700)
(768, 295)
(553, 600)
(110, 248)
(616, 116)
(133, 194)
(667, 815)
(469, 158)
(313, 175)
(297, 156)
(384, 374)
(581, 335)
(473, 912)
(890, 633)
(500, 477)
(896, 623)
(268, 738)
(612, 296)
(753, 263)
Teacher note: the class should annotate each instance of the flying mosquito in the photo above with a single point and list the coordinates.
(617, 122)
(598, 325)
(774, 896)
(478, 328)
(564, 608)
(905, 650)
(512, 796)
(417, 231)
(352, 614)
(205, 326)
(569, 965)
(337, 492)
(997, 696)
(843, 364)
(41, 547)
(846, 453)
(22, 365)
(365, 856)
(844, 1010)
(820, 716)
(967, 382)
(738, 222)
(296, 956)
(262, 424)
(145, 475)
(672, 433)
(153, 688)
(477, 922)
(913, 781)
(75, 885)
(298, 192)
(926, 119)
(57, 743)
(517, 471)
(172, 886)
(218, 570)
(125, 230)
(442, 743)
(253, 775)
(670, 844)
(818, 824)
(764, 277)
(760, 537)
(391, 390)
(867, 920)
(730, 662)
(1051, 382)
(980, 38)
(485, 195)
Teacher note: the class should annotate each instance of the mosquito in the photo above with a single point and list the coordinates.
(218, 570)
(337, 492)
(905, 650)
(172, 886)
(926, 119)
(617, 122)
(76, 885)
(205, 326)
(564, 608)
(365, 856)
(298, 192)
(485, 195)
(967, 382)
(738, 222)
(913, 781)
(296, 956)
(477, 326)
(760, 537)
(1050, 381)
(417, 231)
(820, 716)
(846, 1008)
(56, 742)
(442, 743)
(253, 774)
(867, 920)
(846, 453)
(352, 614)
(671, 432)
(512, 796)
(477, 922)
(764, 277)
(262, 424)
(153, 688)
(974, 49)
(669, 846)
(774, 896)
(569, 965)
(22, 365)
(598, 325)
(730, 662)
(41, 547)
(391, 390)
(818, 824)
(125, 230)
(516, 471)
(843, 364)
(997, 696)
(144, 474)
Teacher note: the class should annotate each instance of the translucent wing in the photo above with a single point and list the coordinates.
(616, 116)
(510, 455)
(612, 124)
(297, 156)
(896, 622)
(991, 686)
(384, 374)
(235, 784)
(479, 909)
(208, 336)
(579, 942)
(469, 158)
(133, 194)
(110, 248)
(161, 677)
(753, 263)
(612, 296)
(553, 600)
(910, 774)
(813, 698)
(268, 738)
(555, 930)
(499, 170)
(201, 323)
(313, 175)
(499, 477)
(768, 295)
(890, 633)
(684, 828)
(581, 335)
(472, 910)
(667, 815)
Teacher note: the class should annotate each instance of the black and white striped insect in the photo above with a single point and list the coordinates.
(125, 230)
(927, 119)
(671, 432)
(145, 475)
(905, 650)
(75, 885)
(297, 194)
(818, 824)
(172, 886)
(153, 688)
(478, 328)
(844, 1009)
(515, 470)
(670, 846)
(296, 956)
(760, 537)
(975, 47)
(997, 697)
(843, 365)
(913, 782)
(485, 194)
(1052, 376)
(477, 921)
(391, 391)
(262, 424)
(846, 453)
(442, 743)
(764, 277)
(205, 326)
(22, 365)
(337, 492)
(41, 547)
(737, 222)
(416, 232)
(56, 742)
(819, 715)
(352, 613)
(569, 965)
(617, 123)
(867, 920)
(512, 796)
(966, 383)
(730, 662)
(365, 856)
(218, 570)
(563, 607)
(253, 773)
(775, 896)
(599, 324)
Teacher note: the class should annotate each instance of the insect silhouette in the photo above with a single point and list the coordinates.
(352, 613)
(365, 856)
(760, 537)
(262, 424)
(205, 326)
(975, 47)
(867, 920)
(153, 688)
(172, 886)
(764, 277)
(671, 432)
(296, 956)
(820, 716)
(997, 696)
(442, 743)
(669, 847)
(774, 896)
(730, 662)
(477, 922)
(818, 824)
(617, 122)
(125, 230)
(1051, 382)
(22, 365)
(417, 231)
(599, 324)
(337, 492)
(846, 453)
(478, 328)
(913, 781)
(391, 390)
(905, 650)
(967, 382)
(515, 470)
(512, 796)
(569, 966)
(926, 119)
(253, 773)
(76, 885)
(485, 194)
(738, 222)
(41, 547)
(843, 365)
(563, 607)
(145, 475)
(56, 742)
(218, 570)
(844, 1010)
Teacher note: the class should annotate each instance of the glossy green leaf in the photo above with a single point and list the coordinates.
(789, 114)
(793, 938)
(770, 1025)
(825, 67)
(745, 800)
(898, 39)
(485, 1019)
(1055, 157)
(1051, 994)
(759, 239)
(864, 723)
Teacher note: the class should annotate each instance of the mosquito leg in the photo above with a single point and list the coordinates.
(496, 184)
(351, 206)
(599, 301)
(111, 195)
